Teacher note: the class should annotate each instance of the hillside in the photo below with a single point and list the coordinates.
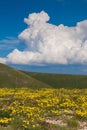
(10, 77)
(61, 80)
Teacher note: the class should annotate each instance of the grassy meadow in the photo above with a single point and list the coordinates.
(43, 109)
(37, 101)
(61, 80)
(12, 78)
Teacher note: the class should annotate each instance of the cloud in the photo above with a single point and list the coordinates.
(10, 40)
(9, 43)
(51, 44)
(3, 60)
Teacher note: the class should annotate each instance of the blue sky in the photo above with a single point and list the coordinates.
(65, 12)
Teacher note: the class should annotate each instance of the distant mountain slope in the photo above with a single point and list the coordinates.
(10, 77)
(61, 80)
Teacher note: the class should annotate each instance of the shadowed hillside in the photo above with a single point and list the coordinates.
(10, 77)
(61, 80)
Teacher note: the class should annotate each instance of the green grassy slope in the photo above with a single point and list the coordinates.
(10, 77)
(61, 80)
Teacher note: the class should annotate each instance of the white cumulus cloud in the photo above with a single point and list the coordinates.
(51, 44)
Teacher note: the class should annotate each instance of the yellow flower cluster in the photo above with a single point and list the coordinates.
(32, 107)
(4, 121)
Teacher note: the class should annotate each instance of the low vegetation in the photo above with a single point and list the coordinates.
(43, 109)
(61, 80)
(12, 78)
(37, 101)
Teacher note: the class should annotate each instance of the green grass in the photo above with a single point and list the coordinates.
(59, 127)
(61, 80)
(6, 128)
(72, 123)
(10, 77)
(51, 127)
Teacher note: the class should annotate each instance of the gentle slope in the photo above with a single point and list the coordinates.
(10, 77)
(61, 80)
